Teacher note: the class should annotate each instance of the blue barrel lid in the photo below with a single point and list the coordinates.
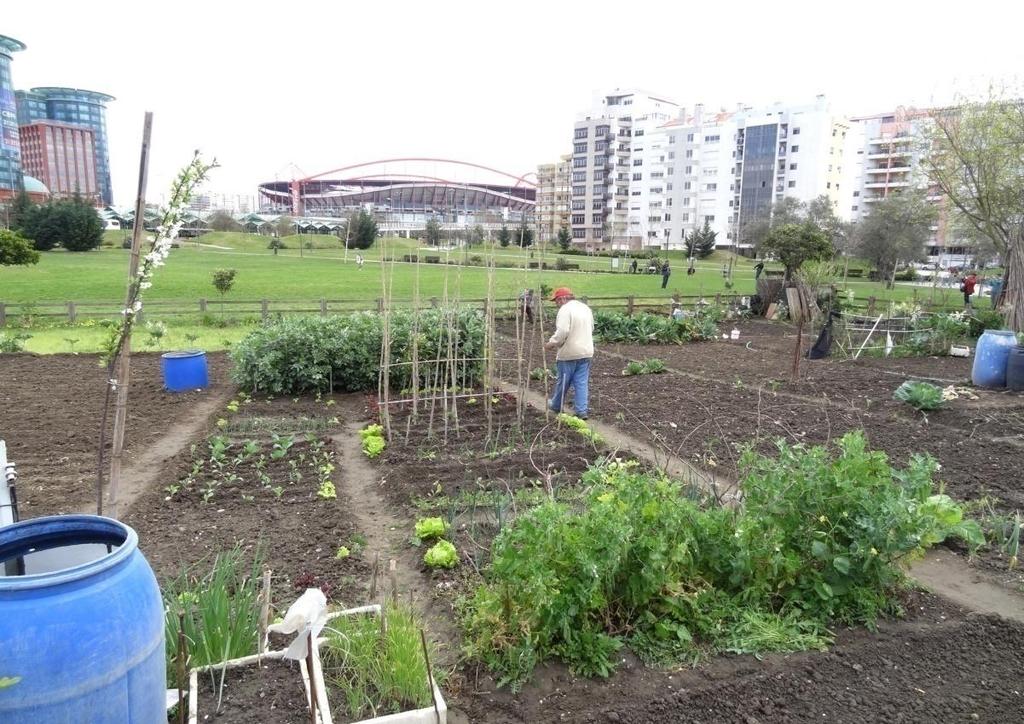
(999, 332)
(183, 354)
(36, 531)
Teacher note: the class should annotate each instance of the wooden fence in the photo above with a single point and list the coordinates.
(266, 309)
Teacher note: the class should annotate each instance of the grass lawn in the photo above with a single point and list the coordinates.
(322, 273)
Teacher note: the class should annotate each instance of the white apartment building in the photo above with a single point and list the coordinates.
(884, 154)
(552, 210)
(729, 168)
(617, 154)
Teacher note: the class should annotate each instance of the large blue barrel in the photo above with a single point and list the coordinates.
(991, 356)
(82, 630)
(184, 370)
(1015, 369)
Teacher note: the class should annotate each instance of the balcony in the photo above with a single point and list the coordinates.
(886, 184)
(891, 169)
(890, 154)
(894, 139)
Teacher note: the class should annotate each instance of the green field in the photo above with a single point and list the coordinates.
(321, 273)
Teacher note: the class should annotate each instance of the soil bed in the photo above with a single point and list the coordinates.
(274, 505)
(53, 405)
(271, 694)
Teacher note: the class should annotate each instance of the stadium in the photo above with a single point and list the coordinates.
(405, 192)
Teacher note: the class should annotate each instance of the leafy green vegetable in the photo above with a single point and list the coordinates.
(919, 395)
(441, 555)
(430, 528)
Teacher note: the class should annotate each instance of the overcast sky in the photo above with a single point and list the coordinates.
(264, 85)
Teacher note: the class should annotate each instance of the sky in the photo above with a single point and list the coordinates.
(277, 90)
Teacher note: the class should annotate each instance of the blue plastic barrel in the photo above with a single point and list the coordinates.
(184, 370)
(991, 356)
(82, 630)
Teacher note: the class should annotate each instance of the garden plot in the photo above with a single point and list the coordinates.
(266, 476)
(52, 407)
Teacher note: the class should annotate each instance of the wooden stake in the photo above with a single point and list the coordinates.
(182, 657)
(394, 579)
(373, 576)
(264, 611)
(430, 676)
(124, 360)
(312, 680)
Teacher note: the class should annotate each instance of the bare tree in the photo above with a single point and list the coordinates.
(977, 160)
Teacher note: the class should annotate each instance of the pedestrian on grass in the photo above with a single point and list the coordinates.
(359, 261)
(666, 272)
(632, 267)
(526, 304)
(758, 269)
(574, 340)
(967, 287)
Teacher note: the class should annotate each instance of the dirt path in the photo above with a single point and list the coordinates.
(386, 533)
(941, 571)
(144, 468)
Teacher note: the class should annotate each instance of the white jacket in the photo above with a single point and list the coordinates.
(574, 331)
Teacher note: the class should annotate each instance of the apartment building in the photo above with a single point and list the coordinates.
(885, 152)
(62, 156)
(553, 189)
(617, 152)
(729, 168)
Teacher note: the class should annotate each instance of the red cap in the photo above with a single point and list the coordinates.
(561, 292)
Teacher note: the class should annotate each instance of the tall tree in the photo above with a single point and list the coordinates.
(364, 230)
(222, 221)
(504, 235)
(788, 210)
(564, 238)
(793, 244)
(895, 231)
(524, 235)
(284, 226)
(433, 232)
(976, 159)
(476, 235)
(74, 224)
(15, 250)
(701, 242)
(20, 210)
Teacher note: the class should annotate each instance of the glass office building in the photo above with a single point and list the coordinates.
(77, 106)
(10, 145)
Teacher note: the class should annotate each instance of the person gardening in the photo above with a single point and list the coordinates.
(574, 340)
(967, 287)
(666, 272)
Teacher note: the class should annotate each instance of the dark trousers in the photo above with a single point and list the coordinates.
(664, 280)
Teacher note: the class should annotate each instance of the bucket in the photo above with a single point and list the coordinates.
(1015, 369)
(82, 630)
(990, 357)
(184, 370)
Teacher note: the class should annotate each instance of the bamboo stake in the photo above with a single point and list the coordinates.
(489, 348)
(373, 576)
(124, 359)
(312, 679)
(430, 676)
(182, 657)
(264, 611)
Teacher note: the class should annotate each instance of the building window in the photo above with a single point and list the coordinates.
(638, 132)
(600, 146)
(792, 184)
(688, 170)
(796, 132)
(668, 217)
(635, 193)
(794, 149)
(689, 138)
(689, 153)
(638, 176)
(579, 175)
(598, 190)
(686, 217)
(828, 184)
(671, 171)
(668, 187)
(792, 167)
(581, 133)
(579, 162)
(709, 219)
(856, 193)
(855, 207)
(710, 187)
(686, 201)
(711, 139)
(579, 190)
(686, 186)
(579, 205)
(579, 218)
(671, 139)
(597, 206)
(579, 233)
(579, 148)
(638, 162)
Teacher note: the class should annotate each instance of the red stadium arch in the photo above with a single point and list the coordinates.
(518, 179)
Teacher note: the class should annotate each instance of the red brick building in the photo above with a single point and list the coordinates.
(62, 156)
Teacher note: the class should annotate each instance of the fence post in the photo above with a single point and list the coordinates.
(264, 310)
(630, 303)
(871, 306)
(380, 305)
(434, 302)
(202, 306)
(3, 314)
(718, 299)
(323, 307)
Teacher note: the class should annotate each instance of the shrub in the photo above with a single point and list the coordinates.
(820, 538)
(919, 395)
(656, 329)
(934, 333)
(441, 555)
(430, 528)
(652, 366)
(305, 354)
(16, 250)
(13, 343)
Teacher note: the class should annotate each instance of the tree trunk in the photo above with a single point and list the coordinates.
(1013, 287)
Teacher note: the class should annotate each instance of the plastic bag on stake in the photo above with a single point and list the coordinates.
(308, 615)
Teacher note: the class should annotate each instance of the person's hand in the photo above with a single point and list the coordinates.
(550, 345)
